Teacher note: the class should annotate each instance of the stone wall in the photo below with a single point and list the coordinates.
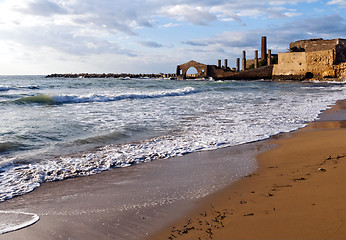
(292, 65)
(341, 52)
(258, 73)
(340, 71)
(313, 45)
(299, 65)
(320, 63)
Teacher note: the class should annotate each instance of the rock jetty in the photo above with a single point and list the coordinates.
(109, 75)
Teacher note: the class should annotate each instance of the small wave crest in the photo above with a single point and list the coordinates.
(8, 146)
(7, 88)
(4, 88)
(66, 99)
(39, 99)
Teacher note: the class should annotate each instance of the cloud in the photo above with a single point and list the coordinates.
(196, 14)
(341, 3)
(195, 43)
(328, 25)
(150, 44)
(41, 8)
(116, 30)
(169, 25)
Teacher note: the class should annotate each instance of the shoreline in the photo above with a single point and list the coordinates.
(133, 202)
(86, 207)
(296, 193)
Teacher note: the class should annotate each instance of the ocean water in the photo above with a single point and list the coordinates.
(56, 128)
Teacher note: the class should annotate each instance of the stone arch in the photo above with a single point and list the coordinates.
(201, 69)
(192, 69)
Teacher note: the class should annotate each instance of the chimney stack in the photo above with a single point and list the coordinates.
(264, 48)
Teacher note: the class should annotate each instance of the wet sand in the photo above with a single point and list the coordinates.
(298, 191)
(133, 202)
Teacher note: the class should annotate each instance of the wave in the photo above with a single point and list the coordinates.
(7, 88)
(66, 99)
(9, 146)
(4, 88)
(30, 87)
(39, 99)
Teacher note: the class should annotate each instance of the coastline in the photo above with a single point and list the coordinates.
(297, 191)
(133, 202)
(86, 207)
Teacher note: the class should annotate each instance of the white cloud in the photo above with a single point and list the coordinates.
(341, 3)
(195, 14)
(169, 25)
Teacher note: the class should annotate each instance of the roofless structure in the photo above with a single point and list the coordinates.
(306, 59)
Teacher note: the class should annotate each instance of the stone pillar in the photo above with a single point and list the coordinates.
(219, 63)
(269, 57)
(256, 58)
(238, 64)
(178, 71)
(244, 60)
(226, 63)
(264, 48)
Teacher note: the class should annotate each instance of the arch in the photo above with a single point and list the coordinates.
(309, 75)
(192, 72)
(183, 68)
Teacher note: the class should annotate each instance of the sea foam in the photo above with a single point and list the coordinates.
(12, 221)
(68, 99)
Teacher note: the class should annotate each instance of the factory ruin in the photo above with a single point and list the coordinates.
(307, 59)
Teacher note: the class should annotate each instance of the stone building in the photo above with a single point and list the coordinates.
(314, 58)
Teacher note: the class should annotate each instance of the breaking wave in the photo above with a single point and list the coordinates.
(7, 88)
(66, 99)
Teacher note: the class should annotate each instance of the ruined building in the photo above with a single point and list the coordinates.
(314, 58)
(249, 69)
(306, 59)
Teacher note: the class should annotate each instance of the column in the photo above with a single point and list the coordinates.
(244, 60)
(226, 63)
(256, 58)
(269, 57)
(238, 64)
(219, 63)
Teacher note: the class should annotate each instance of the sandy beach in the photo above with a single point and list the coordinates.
(298, 191)
(129, 203)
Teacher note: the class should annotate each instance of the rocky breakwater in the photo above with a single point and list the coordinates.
(109, 75)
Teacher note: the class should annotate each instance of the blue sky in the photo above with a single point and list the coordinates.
(151, 36)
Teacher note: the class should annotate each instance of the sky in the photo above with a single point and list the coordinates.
(153, 36)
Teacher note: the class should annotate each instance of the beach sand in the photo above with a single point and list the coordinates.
(133, 202)
(298, 191)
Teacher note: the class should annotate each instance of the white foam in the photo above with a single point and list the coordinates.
(13, 221)
(109, 98)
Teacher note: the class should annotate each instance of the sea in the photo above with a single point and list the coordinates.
(57, 128)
